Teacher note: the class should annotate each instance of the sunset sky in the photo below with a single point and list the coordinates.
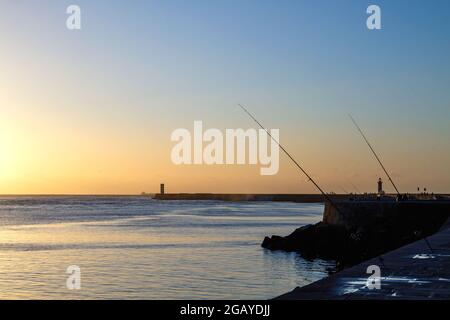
(91, 111)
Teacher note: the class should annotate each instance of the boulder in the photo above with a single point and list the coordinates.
(320, 240)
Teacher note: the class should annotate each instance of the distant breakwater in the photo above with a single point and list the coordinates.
(303, 198)
(288, 197)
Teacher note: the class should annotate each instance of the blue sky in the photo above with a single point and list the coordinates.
(144, 68)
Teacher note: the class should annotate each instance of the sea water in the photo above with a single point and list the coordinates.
(138, 248)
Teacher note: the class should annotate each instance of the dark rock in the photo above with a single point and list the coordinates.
(335, 242)
(321, 240)
(276, 243)
(361, 230)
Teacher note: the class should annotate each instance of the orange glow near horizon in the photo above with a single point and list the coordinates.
(56, 160)
(44, 154)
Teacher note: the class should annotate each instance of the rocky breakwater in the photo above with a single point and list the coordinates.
(363, 229)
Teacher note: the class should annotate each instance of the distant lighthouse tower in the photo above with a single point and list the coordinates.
(380, 186)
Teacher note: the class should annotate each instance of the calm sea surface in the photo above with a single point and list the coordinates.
(138, 248)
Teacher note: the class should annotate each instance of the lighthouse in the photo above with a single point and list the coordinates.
(380, 186)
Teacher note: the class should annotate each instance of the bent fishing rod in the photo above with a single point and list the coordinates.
(290, 157)
(345, 191)
(354, 187)
(374, 153)
(425, 238)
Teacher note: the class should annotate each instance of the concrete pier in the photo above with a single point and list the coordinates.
(355, 231)
(419, 270)
(388, 214)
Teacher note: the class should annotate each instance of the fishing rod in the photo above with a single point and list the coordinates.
(293, 160)
(345, 191)
(374, 153)
(354, 187)
(425, 238)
